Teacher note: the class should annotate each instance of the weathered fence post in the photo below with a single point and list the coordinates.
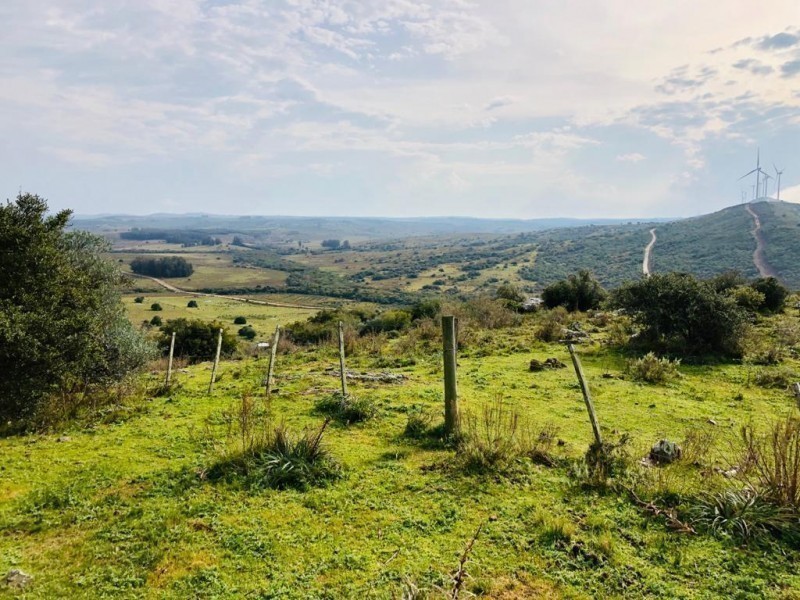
(796, 390)
(587, 398)
(216, 362)
(451, 418)
(272, 352)
(169, 365)
(341, 360)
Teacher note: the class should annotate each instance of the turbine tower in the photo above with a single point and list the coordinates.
(767, 177)
(778, 175)
(758, 171)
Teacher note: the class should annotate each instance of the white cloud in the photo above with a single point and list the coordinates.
(633, 157)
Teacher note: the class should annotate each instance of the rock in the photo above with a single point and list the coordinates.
(64, 438)
(712, 422)
(17, 579)
(664, 452)
(550, 363)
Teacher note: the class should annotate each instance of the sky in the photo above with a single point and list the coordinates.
(486, 108)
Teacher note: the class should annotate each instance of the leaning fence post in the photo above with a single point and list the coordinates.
(587, 398)
(169, 365)
(216, 362)
(451, 418)
(272, 352)
(341, 360)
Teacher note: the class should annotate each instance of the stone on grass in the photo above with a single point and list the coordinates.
(17, 580)
(664, 452)
(550, 363)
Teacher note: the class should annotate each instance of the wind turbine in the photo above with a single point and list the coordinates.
(767, 177)
(778, 175)
(758, 173)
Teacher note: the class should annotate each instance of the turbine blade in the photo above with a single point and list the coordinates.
(747, 174)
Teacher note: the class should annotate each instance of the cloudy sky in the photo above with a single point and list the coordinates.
(497, 108)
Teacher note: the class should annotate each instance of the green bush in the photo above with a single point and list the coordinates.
(195, 340)
(579, 292)
(775, 294)
(63, 327)
(742, 515)
(247, 332)
(652, 369)
(418, 424)
(240, 321)
(139, 299)
(390, 320)
(551, 325)
(748, 298)
(192, 304)
(156, 306)
(156, 321)
(677, 312)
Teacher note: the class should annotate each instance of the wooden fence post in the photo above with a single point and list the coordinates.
(451, 417)
(169, 365)
(341, 360)
(796, 390)
(587, 398)
(272, 352)
(216, 362)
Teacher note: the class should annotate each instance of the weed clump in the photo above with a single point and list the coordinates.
(347, 409)
(418, 425)
(263, 455)
(603, 463)
(651, 369)
(771, 461)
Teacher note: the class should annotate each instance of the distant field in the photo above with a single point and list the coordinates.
(212, 269)
(262, 318)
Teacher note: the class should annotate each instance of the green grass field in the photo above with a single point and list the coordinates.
(123, 509)
(262, 318)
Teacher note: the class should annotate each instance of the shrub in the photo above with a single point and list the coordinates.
(139, 299)
(579, 292)
(195, 340)
(652, 369)
(510, 295)
(551, 326)
(156, 321)
(240, 321)
(390, 320)
(192, 304)
(676, 311)
(610, 460)
(775, 378)
(489, 443)
(425, 309)
(155, 306)
(347, 409)
(775, 294)
(247, 332)
(748, 298)
(771, 461)
(485, 313)
(63, 327)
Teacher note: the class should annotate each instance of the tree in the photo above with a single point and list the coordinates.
(677, 312)
(775, 294)
(331, 244)
(192, 304)
(195, 340)
(240, 321)
(156, 306)
(63, 328)
(138, 299)
(579, 292)
(169, 266)
(247, 332)
(510, 295)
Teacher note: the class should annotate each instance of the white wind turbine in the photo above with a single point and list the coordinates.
(758, 171)
(778, 175)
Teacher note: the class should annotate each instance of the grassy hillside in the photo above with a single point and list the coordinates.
(780, 227)
(707, 245)
(125, 508)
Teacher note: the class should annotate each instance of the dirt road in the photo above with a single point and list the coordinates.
(647, 251)
(172, 288)
(758, 254)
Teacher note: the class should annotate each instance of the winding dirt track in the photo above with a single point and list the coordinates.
(758, 254)
(172, 288)
(647, 252)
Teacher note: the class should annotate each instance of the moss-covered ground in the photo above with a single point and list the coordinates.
(122, 508)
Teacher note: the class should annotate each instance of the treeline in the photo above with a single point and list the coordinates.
(168, 266)
(185, 238)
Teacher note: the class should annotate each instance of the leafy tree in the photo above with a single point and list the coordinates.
(139, 299)
(156, 306)
(425, 309)
(678, 312)
(196, 340)
(63, 328)
(331, 244)
(156, 321)
(579, 292)
(510, 295)
(192, 304)
(240, 321)
(775, 294)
